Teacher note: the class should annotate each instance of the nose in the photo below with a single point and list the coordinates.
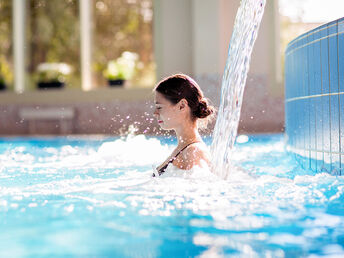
(156, 113)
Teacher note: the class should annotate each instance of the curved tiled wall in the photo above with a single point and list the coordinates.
(314, 98)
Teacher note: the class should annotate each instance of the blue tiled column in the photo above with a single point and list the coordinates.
(314, 85)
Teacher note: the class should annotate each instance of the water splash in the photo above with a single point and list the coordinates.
(245, 32)
(82, 193)
(91, 192)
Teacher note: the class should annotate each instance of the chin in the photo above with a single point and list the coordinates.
(165, 127)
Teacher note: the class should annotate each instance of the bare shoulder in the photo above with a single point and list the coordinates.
(196, 151)
(193, 155)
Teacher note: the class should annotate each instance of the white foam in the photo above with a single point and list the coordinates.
(134, 150)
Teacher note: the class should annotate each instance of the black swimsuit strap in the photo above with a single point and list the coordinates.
(162, 170)
(183, 149)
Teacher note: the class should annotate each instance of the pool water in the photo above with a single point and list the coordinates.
(82, 196)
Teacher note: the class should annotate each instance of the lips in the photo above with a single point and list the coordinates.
(159, 121)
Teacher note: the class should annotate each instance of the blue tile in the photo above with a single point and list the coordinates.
(312, 124)
(287, 77)
(294, 123)
(341, 124)
(298, 68)
(291, 70)
(334, 123)
(324, 61)
(307, 128)
(295, 74)
(305, 71)
(304, 126)
(341, 26)
(317, 68)
(311, 66)
(296, 129)
(333, 59)
(296, 44)
(299, 121)
(291, 75)
(341, 60)
(333, 29)
(290, 124)
(292, 78)
(316, 125)
(319, 132)
(300, 124)
(319, 124)
(296, 65)
(287, 117)
(326, 123)
(313, 127)
(289, 129)
(316, 34)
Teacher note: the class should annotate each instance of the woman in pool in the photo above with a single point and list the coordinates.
(180, 106)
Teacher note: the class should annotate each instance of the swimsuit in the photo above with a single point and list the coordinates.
(162, 170)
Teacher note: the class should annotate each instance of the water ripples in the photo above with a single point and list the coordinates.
(266, 205)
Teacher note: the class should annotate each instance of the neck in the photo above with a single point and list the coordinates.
(187, 134)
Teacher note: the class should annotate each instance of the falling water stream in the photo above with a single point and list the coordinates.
(245, 32)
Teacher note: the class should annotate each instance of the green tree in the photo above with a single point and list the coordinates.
(53, 35)
(6, 42)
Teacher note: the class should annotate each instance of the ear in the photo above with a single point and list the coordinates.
(183, 104)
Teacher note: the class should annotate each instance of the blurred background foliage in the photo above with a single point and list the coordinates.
(53, 35)
(6, 69)
(124, 25)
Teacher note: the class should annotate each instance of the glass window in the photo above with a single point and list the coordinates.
(124, 26)
(6, 74)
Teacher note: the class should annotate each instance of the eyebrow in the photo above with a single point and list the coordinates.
(157, 103)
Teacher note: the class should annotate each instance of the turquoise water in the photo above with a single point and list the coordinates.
(79, 196)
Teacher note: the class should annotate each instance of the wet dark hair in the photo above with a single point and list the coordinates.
(180, 86)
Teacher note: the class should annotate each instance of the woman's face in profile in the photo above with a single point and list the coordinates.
(165, 112)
